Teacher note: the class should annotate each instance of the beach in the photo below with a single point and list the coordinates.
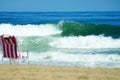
(37, 72)
(60, 40)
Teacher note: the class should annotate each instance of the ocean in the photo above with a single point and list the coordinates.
(85, 39)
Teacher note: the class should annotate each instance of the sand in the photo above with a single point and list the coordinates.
(25, 72)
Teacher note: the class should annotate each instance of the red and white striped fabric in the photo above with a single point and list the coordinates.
(9, 47)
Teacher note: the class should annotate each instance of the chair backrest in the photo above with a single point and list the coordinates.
(9, 46)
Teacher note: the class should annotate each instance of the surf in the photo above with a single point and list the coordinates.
(29, 29)
(71, 28)
(68, 43)
(90, 42)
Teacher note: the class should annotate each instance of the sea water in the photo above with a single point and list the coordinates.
(85, 39)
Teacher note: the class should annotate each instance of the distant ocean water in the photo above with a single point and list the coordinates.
(86, 39)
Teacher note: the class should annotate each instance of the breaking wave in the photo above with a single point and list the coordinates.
(71, 28)
(29, 29)
(85, 42)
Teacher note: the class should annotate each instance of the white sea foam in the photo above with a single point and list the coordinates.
(85, 42)
(88, 60)
(29, 29)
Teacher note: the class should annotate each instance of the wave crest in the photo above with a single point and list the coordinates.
(29, 29)
(75, 29)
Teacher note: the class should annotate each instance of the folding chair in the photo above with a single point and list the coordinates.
(9, 49)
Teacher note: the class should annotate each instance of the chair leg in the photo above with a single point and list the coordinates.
(10, 60)
(28, 60)
(28, 57)
(24, 59)
(19, 61)
(2, 60)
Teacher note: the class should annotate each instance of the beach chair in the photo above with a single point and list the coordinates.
(9, 49)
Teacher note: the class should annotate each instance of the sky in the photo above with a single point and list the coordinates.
(59, 5)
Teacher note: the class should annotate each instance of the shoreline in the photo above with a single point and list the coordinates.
(40, 72)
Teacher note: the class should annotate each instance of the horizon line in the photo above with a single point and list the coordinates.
(59, 11)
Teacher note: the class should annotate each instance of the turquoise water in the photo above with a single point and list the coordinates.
(86, 39)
